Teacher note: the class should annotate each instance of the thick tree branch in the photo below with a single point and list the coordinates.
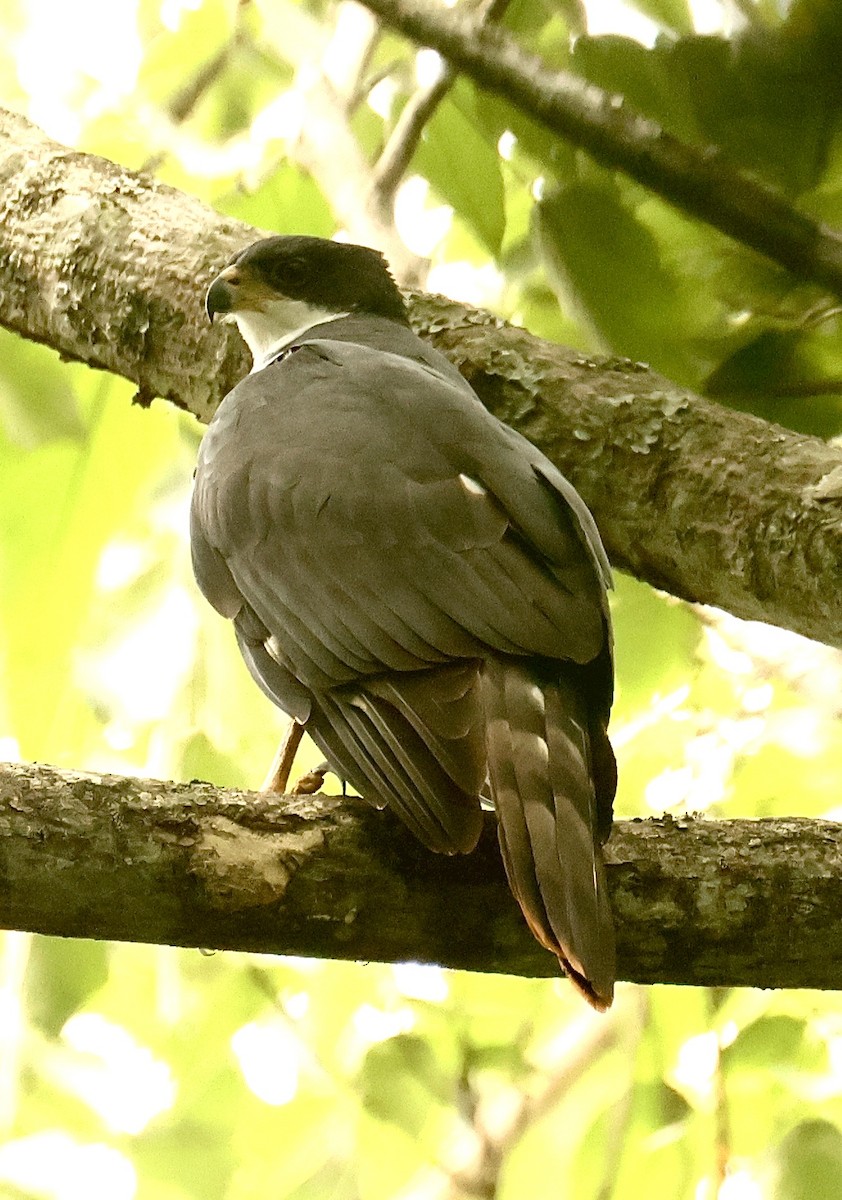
(696, 902)
(712, 505)
(110, 268)
(700, 181)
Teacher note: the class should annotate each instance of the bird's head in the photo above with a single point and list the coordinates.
(280, 286)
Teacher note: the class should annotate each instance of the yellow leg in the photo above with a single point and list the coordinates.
(278, 777)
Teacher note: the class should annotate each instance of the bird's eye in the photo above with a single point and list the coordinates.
(290, 276)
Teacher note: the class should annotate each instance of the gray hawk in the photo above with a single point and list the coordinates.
(414, 582)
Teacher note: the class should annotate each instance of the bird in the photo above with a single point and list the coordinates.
(413, 582)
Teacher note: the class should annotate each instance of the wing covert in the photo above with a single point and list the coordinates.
(400, 523)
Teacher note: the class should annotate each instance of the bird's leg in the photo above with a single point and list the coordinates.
(278, 777)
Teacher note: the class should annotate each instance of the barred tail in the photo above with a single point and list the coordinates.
(552, 780)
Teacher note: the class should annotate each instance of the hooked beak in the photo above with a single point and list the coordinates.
(221, 295)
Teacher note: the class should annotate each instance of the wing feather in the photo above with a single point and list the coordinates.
(379, 465)
(399, 766)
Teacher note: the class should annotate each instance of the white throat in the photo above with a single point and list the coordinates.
(267, 333)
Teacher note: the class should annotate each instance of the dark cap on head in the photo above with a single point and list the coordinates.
(334, 276)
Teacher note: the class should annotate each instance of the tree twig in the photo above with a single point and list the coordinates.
(541, 1090)
(396, 155)
(700, 181)
(182, 103)
(400, 147)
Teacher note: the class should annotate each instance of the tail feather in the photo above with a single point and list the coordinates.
(503, 780)
(550, 815)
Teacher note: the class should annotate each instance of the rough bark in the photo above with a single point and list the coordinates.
(110, 267)
(699, 180)
(696, 902)
(715, 506)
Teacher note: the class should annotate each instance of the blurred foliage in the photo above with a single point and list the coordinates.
(145, 1072)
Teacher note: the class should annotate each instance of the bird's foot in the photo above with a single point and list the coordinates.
(311, 782)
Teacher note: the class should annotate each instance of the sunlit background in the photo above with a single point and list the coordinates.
(144, 1072)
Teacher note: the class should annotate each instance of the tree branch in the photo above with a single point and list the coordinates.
(345, 175)
(700, 181)
(697, 902)
(183, 102)
(397, 154)
(110, 267)
(715, 506)
(391, 166)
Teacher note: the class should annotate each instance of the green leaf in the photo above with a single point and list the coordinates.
(538, 151)
(779, 375)
(622, 66)
(655, 638)
(289, 1151)
(765, 99)
(769, 1041)
(564, 1154)
(528, 17)
(200, 759)
(546, 27)
(187, 1153)
(335, 1180)
(400, 1080)
(37, 402)
(606, 263)
(672, 14)
(173, 57)
(768, 780)
(652, 1156)
(288, 201)
(809, 1162)
(461, 162)
(59, 507)
(241, 92)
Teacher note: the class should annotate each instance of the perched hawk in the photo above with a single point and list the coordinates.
(414, 582)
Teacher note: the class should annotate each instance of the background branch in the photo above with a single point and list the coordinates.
(696, 902)
(183, 102)
(539, 1091)
(396, 155)
(109, 268)
(329, 98)
(700, 181)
